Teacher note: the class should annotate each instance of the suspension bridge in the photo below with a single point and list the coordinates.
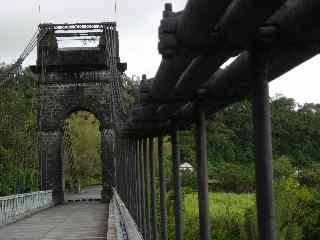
(266, 38)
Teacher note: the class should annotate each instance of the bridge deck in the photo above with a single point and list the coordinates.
(78, 220)
(72, 221)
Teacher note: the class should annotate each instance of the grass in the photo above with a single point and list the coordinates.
(227, 215)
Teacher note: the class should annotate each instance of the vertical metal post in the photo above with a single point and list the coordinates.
(263, 147)
(202, 170)
(142, 191)
(137, 182)
(153, 191)
(176, 180)
(126, 174)
(163, 205)
(121, 168)
(116, 162)
(128, 202)
(119, 159)
(117, 150)
(146, 182)
(138, 173)
(133, 182)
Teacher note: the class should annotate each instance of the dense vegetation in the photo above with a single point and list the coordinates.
(296, 144)
(83, 166)
(19, 166)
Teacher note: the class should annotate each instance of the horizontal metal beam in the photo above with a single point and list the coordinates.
(198, 19)
(71, 68)
(78, 26)
(297, 20)
(239, 25)
(78, 34)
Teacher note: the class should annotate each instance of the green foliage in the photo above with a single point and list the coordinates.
(297, 204)
(283, 168)
(19, 166)
(130, 92)
(226, 215)
(232, 177)
(310, 176)
(294, 210)
(189, 180)
(86, 164)
(296, 144)
(230, 136)
(295, 132)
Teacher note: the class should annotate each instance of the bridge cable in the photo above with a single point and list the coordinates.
(117, 108)
(15, 68)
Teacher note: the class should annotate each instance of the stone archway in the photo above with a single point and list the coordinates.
(57, 102)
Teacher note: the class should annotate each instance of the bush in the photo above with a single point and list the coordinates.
(231, 177)
(297, 212)
(226, 215)
(189, 179)
(283, 168)
(310, 176)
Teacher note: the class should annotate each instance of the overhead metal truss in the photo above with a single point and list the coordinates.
(78, 26)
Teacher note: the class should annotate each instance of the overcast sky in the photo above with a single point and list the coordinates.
(138, 23)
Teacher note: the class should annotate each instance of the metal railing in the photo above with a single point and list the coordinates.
(121, 225)
(14, 207)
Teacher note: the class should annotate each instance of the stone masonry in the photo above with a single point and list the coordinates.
(70, 80)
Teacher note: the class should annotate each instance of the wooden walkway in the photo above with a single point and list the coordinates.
(71, 221)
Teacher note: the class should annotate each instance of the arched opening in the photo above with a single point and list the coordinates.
(82, 161)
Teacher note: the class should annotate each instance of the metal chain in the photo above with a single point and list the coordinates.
(117, 109)
(69, 158)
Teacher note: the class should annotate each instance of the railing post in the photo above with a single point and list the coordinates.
(146, 182)
(202, 170)
(176, 179)
(126, 167)
(131, 185)
(132, 180)
(163, 205)
(124, 170)
(119, 166)
(263, 147)
(138, 183)
(118, 159)
(142, 190)
(153, 191)
(129, 176)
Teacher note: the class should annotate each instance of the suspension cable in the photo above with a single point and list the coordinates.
(117, 108)
(15, 69)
